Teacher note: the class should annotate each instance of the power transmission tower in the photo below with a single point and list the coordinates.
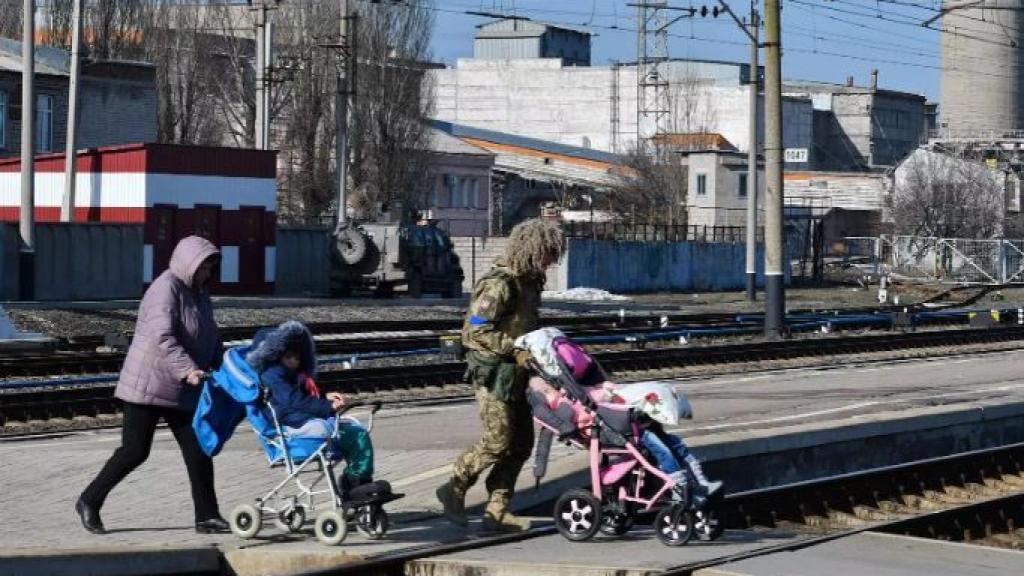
(652, 107)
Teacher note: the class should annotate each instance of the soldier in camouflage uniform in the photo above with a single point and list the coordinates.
(505, 305)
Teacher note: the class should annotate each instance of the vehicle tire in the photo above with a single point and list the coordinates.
(372, 522)
(577, 515)
(351, 246)
(291, 520)
(330, 527)
(414, 284)
(673, 525)
(707, 523)
(246, 521)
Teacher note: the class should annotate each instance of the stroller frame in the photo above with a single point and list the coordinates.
(290, 511)
(617, 489)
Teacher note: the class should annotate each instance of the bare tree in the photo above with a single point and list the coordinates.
(691, 106)
(936, 195)
(653, 191)
(10, 19)
(389, 134)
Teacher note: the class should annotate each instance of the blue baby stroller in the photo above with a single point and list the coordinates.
(310, 486)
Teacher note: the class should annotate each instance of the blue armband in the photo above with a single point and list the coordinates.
(475, 320)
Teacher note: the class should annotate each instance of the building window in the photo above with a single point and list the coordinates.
(475, 193)
(742, 190)
(702, 184)
(3, 119)
(44, 123)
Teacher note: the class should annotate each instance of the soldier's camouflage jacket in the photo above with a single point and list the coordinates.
(502, 308)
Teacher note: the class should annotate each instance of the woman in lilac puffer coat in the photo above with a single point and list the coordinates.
(175, 344)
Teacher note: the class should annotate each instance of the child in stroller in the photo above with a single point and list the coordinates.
(268, 383)
(571, 396)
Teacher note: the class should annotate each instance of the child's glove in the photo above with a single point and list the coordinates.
(522, 356)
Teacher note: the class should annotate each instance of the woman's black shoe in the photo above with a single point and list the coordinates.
(90, 517)
(216, 525)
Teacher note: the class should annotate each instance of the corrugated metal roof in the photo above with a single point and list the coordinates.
(526, 142)
(501, 28)
(444, 143)
(49, 60)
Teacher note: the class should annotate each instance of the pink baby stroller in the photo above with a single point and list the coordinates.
(624, 481)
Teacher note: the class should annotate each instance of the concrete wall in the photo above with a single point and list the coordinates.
(653, 266)
(596, 106)
(303, 261)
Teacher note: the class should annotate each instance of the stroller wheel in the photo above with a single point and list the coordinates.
(673, 525)
(291, 520)
(330, 527)
(372, 522)
(246, 521)
(577, 515)
(707, 523)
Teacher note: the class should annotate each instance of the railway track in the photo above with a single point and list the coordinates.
(25, 408)
(973, 497)
(367, 337)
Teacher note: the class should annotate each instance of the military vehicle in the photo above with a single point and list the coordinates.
(391, 252)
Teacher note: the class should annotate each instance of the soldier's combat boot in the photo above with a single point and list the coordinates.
(453, 502)
(497, 518)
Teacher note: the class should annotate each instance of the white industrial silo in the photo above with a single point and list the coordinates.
(982, 80)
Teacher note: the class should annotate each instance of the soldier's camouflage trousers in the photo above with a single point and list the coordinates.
(506, 445)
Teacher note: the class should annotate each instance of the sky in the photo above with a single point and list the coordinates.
(824, 40)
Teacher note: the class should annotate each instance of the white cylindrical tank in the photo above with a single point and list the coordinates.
(982, 80)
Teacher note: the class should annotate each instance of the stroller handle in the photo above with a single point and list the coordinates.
(376, 406)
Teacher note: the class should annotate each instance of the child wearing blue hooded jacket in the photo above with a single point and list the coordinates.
(285, 358)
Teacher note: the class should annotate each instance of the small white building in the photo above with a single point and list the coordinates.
(458, 184)
(716, 191)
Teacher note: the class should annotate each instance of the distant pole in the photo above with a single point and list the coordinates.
(261, 18)
(268, 63)
(341, 108)
(775, 297)
(752, 164)
(67, 209)
(28, 205)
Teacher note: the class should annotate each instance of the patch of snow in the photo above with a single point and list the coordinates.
(583, 294)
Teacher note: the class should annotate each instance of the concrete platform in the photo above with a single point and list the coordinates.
(638, 554)
(879, 555)
(763, 428)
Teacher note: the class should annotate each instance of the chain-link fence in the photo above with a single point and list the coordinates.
(942, 260)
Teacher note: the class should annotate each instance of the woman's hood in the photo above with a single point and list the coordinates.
(269, 344)
(190, 252)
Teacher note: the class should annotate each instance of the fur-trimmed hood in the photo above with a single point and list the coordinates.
(269, 344)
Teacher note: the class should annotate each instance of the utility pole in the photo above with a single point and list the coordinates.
(28, 205)
(775, 297)
(346, 47)
(752, 161)
(264, 37)
(751, 33)
(67, 208)
(268, 65)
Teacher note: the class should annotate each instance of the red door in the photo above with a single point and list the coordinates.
(207, 222)
(251, 249)
(164, 236)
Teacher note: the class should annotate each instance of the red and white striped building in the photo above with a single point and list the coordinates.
(227, 195)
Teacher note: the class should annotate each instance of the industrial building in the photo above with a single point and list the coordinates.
(117, 101)
(833, 127)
